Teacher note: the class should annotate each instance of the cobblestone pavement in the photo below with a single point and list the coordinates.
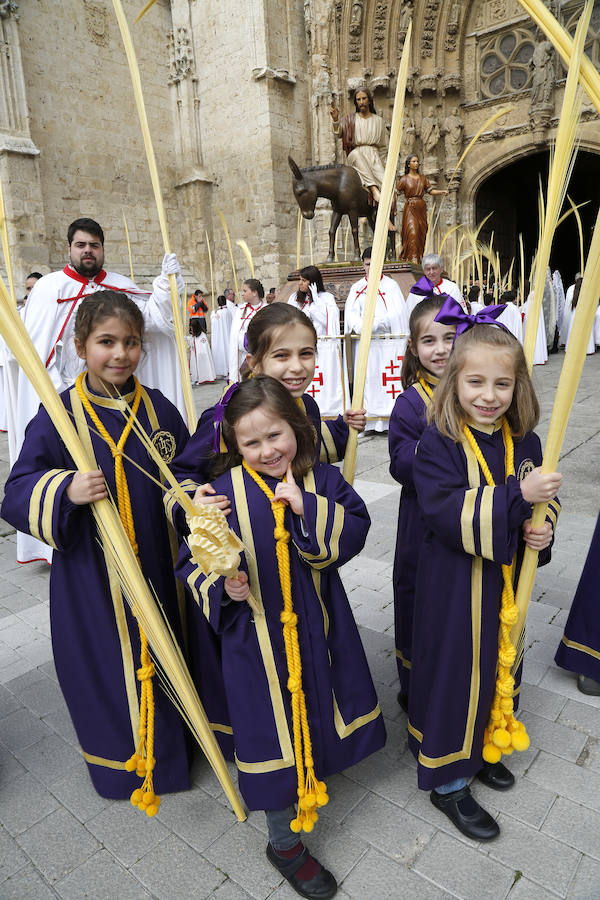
(380, 836)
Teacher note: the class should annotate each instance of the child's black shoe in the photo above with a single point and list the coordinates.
(496, 776)
(465, 812)
(321, 886)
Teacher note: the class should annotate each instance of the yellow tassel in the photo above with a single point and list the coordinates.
(311, 792)
(142, 760)
(504, 733)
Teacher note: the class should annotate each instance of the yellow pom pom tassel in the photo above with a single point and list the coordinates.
(501, 738)
(491, 753)
(151, 810)
(308, 825)
(520, 740)
(295, 826)
(136, 797)
(131, 763)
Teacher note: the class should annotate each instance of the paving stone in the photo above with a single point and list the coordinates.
(21, 728)
(24, 802)
(337, 848)
(581, 717)
(567, 779)
(586, 881)
(562, 682)
(27, 884)
(575, 825)
(553, 737)
(12, 858)
(8, 702)
(240, 854)
(385, 777)
(526, 801)
(60, 722)
(173, 869)
(540, 857)
(196, 817)
(463, 871)
(18, 600)
(17, 634)
(524, 889)
(543, 703)
(10, 767)
(374, 875)
(76, 793)
(37, 651)
(344, 795)
(126, 831)
(58, 844)
(26, 680)
(533, 671)
(43, 697)
(390, 829)
(100, 878)
(50, 759)
(229, 890)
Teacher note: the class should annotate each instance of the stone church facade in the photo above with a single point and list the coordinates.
(231, 89)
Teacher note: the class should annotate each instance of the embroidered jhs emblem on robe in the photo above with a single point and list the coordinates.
(525, 468)
(164, 442)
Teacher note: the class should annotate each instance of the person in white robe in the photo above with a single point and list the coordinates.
(511, 316)
(253, 299)
(432, 283)
(540, 353)
(329, 386)
(388, 343)
(202, 369)
(49, 317)
(571, 300)
(220, 326)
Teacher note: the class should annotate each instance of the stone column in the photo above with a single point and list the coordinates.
(193, 184)
(19, 163)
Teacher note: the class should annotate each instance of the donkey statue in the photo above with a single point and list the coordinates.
(341, 185)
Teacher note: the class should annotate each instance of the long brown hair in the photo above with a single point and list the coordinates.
(410, 363)
(446, 412)
(262, 390)
(266, 322)
(104, 305)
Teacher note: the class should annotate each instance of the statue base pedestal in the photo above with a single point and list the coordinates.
(339, 277)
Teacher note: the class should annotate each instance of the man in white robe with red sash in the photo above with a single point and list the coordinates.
(382, 384)
(49, 317)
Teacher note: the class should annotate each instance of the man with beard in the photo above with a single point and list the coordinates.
(49, 317)
(364, 140)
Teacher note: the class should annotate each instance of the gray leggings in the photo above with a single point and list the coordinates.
(281, 836)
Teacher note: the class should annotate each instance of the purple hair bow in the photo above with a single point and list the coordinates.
(452, 313)
(220, 414)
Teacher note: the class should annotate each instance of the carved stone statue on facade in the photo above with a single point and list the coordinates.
(452, 129)
(409, 136)
(542, 83)
(430, 133)
(356, 18)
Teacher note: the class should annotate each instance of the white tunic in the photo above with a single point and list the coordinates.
(568, 320)
(202, 369)
(244, 313)
(511, 318)
(49, 317)
(540, 353)
(445, 286)
(329, 387)
(220, 326)
(370, 144)
(382, 384)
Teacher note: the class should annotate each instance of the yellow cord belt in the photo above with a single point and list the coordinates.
(504, 733)
(426, 387)
(142, 760)
(311, 792)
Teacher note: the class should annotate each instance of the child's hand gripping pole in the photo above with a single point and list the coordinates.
(214, 546)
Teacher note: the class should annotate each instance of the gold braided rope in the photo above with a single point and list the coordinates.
(504, 733)
(311, 792)
(142, 760)
(426, 387)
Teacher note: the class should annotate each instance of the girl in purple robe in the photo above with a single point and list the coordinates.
(483, 408)
(303, 650)
(95, 638)
(282, 342)
(427, 353)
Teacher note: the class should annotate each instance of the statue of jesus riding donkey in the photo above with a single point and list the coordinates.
(354, 189)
